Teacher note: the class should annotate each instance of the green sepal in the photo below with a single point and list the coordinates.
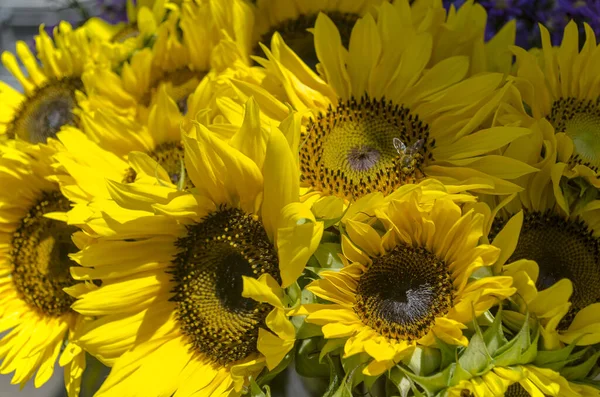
(330, 346)
(294, 294)
(513, 352)
(330, 237)
(578, 192)
(307, 358)
(482, 272)
(459, 374)
(354, 362)
(305, 330)
(320, 209)
(93, 376)
(449, 352)
(424, 360)
(556, 359)
(349, 381)
(431, 384)
(327, 254)
(582, 370)
(257, 391)
(475, 358)
(493, 336)
(401, 381)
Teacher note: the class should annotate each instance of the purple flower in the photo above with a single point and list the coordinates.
(113, 11)
(553, 14)
(582, 11)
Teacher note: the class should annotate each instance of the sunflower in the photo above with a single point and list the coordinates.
(293, 20)
(520, 381)
(191, 298)
(406, 279)
(121, 40)
(561, 86)
(462, 32)
(180, 55)
(36, 243)
(550, 244)
(378, 118)
(50, 86)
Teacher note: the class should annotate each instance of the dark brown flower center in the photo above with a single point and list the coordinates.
(170, 155)
(46, 111)
(39, 256)
(362, 147)
(213, 257)
(295, 34)
(562, 249)
(180, 84)
(402, 293)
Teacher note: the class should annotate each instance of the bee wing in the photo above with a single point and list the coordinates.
(415, 147)
(399, 145)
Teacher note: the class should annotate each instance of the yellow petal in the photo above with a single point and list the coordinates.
(331, 53)
(365, 47)
(297, 239)
(365, 237)
(279, 166)
(278, 322)
(507, 240)
(273, 348)
(264, 289)
(251, 139)
(547, 300)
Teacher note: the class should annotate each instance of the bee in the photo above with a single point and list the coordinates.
(407, 153)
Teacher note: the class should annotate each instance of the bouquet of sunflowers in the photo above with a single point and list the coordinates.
(302, 197)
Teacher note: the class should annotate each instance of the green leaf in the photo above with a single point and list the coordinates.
(266, 376)
(475, 358)
(307, 359)
(434, 383)
(494, 335)
(328, 255)
(459, 374)
(425, 360)
(582, 370)
(448, 352)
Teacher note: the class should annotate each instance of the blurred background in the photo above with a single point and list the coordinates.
(20, 20)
